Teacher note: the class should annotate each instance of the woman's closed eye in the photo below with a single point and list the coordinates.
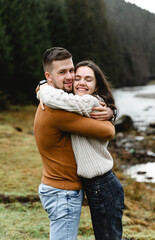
(89, 79)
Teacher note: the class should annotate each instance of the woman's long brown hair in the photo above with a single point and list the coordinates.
(102, 84)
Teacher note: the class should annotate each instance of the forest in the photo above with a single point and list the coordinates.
(118, 36)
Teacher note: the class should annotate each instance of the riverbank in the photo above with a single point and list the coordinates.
(135, 139)
(135, 150)
(21, 213)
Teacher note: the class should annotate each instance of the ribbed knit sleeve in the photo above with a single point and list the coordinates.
(58, 99)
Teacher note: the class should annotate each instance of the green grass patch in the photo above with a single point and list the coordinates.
(23, 221)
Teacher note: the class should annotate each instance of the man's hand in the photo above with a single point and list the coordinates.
(102, 113)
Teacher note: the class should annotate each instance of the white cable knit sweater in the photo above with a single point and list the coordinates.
(92, 157)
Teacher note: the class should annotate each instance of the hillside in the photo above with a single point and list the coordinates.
(134, 29)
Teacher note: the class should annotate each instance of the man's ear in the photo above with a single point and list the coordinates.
(48, 77)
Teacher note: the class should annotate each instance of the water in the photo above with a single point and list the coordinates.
(142, 172)
(138, 103)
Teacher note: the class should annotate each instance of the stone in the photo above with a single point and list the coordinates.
(124, 123)
(152, 125)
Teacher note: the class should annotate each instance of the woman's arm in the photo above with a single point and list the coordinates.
(58, 99)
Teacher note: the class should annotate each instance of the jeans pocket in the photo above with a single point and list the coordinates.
(74, 193)
(49, 200)
(74, 200)
(105, 193)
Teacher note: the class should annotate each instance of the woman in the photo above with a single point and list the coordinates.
(94, 162)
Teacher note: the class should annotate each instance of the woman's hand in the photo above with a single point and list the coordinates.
(102, 113)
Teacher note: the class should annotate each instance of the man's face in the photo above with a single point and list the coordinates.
(61, 74)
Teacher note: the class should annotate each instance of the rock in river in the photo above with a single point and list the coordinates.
(124, 123)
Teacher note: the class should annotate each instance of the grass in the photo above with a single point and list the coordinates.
(20, 160)
(21, 172)
(20, 221)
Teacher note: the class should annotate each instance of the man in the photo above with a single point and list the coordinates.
(61, 191)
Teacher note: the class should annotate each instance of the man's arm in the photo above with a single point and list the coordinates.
(74, 123)
(102, 112)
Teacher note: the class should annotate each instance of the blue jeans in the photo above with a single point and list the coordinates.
(106, 201)
(64, 209)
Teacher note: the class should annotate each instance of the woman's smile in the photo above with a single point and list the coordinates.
(85, 81)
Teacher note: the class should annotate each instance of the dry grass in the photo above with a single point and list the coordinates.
(21, 166)
(21, 171)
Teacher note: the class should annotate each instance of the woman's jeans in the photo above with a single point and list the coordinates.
(106, 201)
(64, 209)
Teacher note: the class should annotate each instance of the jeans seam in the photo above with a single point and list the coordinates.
(67, 217)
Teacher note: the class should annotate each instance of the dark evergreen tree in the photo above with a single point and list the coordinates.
(5, 49)
(25, 25)
(91, 36)
(57, 23)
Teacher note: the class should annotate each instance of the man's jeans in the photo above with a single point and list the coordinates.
(106, 201)
(64, 209)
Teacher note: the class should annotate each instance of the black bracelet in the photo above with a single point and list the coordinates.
(115, 113)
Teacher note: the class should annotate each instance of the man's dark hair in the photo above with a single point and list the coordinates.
(55, 54)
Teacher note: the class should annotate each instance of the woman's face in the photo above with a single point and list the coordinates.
(85, 81)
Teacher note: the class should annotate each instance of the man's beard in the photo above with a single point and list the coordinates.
(68, 90)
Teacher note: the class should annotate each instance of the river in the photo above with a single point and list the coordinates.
(142, 172)
(138, 103)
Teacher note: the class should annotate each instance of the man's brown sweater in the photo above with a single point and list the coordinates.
(52, 129)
